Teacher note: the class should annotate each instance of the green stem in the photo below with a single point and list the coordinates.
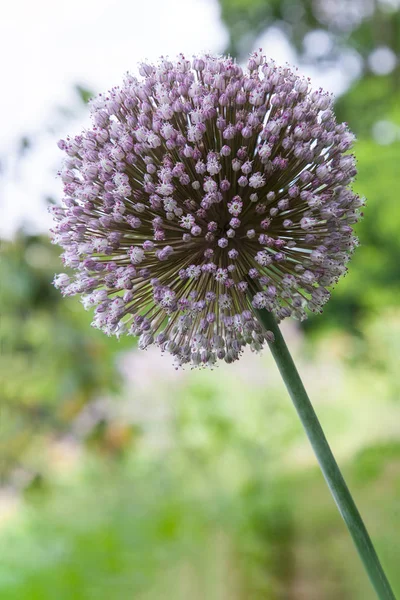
(328, 464)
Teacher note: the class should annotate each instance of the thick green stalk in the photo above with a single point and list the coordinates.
(328, 464)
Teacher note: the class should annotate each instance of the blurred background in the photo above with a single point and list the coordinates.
(122, 478)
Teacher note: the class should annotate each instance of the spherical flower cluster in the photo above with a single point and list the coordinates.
(202, 194)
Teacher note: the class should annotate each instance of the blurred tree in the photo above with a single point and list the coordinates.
(363, 25)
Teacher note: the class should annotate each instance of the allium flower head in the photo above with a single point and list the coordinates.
(201, 193)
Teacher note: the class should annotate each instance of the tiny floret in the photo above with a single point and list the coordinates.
(202, 194)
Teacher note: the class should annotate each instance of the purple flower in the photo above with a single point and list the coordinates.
(200, 194)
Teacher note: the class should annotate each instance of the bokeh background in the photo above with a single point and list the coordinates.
(122, 478)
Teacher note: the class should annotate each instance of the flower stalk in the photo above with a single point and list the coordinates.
(327, 462)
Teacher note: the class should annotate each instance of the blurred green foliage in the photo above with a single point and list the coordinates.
(150, 531)
(139, 486)
(371, 99)
(356, 24)
(53, 363)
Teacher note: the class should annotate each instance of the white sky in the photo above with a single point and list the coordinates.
(47, 47)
